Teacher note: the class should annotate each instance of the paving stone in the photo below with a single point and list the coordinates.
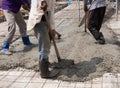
(80, 85)
(19, 85)
(98, 85)
(88, 84)
(51, 85)
(5, 84)
(28, 73)
(9, 78)
(1, 77)
(68, 84)
(35, 85)
(23, 79)
(68, 87)
(107, 85)
(37, 79)
(15, 73)
(53, 81)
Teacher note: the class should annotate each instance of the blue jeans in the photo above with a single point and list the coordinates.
(43, 39)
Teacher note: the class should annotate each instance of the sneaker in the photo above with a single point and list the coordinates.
(5, 52)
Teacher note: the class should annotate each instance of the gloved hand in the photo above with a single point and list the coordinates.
(44, 5)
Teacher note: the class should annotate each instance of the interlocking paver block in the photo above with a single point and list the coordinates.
(97, 85)
(80, 85)
(35, 85)
(51, 85)
(68, 84)
(53, 81)
(18, 85)
(24, 79)
(88, 84)
(28, 73)
(1, 77)
(109, 85)
(37, 79)
(5, 84)
(15, 73)
(9, 78)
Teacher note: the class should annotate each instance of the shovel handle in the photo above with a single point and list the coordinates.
(85, 21)
(54, 43)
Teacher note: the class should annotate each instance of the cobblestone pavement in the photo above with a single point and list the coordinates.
(30, 79)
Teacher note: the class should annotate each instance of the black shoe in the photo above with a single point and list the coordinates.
(59, 36)
(101, 39)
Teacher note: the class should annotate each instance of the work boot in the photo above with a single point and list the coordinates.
(26, 41)
(101, 39)
(44, 68)
(5, 49)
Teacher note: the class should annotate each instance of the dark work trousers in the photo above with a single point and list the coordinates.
(95, 18)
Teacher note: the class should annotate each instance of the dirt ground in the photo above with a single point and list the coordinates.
(91, 60)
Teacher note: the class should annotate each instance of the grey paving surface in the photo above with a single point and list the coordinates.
(30, 79)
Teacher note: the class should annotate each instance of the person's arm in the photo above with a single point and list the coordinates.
(85, 5)
(52, 15)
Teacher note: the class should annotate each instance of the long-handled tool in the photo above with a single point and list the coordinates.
(54, 43)
(85, 21)
(79, 8)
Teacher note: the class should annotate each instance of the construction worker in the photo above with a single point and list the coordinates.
(96, 11)
(11, 9)
(37, 22)
(56, 33)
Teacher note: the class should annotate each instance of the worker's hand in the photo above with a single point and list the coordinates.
(85, 8)
(44, 5)
(53, 33)
(26, 7)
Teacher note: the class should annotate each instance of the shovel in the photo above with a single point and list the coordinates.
(62, 62)
(54, 43)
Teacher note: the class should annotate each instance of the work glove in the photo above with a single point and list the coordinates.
(44, 5)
